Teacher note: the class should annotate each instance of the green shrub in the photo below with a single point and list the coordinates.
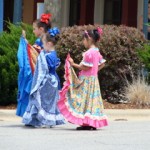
(118, 46)
(9, 41)
(144, 54)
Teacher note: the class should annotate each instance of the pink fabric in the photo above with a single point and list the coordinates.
(92, 56)
(67, 112)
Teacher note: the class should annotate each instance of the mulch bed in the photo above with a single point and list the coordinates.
(107, 105)
(13, 106)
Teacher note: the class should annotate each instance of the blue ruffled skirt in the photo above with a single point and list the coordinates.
(42, 109)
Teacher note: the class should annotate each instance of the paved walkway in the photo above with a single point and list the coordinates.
(127, 130)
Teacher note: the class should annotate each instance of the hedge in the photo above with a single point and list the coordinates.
(144, 54)
(118, 46)
(9, 41)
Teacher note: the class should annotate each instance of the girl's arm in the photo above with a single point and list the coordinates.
(101, 66)
(24, 35)
(78, 66)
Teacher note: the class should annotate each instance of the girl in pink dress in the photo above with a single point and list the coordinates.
(80, 98)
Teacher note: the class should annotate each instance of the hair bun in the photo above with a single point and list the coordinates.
(57, 37)
(96, 35)
(45, 18)
(54, 31)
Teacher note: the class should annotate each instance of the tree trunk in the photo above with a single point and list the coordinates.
(54, 7)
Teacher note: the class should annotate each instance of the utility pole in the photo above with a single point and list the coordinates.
(145, 17)
(17, 16)
(1, 15)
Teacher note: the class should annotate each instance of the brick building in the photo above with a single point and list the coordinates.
(73, 12)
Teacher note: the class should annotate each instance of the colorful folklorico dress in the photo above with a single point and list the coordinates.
(42, 109)
(80, 99)
(27, 57)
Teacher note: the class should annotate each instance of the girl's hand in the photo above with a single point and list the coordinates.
(24, 33)
(80, 66)
(71, 61)
(100, 67)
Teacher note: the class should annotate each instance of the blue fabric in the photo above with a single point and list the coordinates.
(54, 31)
(21, 108)
(39, 42)
(42, 108)
(53, 63)
(24, 78)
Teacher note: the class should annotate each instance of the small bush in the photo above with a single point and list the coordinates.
(9, 41)
(138, 91)
(144, 55)
(118, 46)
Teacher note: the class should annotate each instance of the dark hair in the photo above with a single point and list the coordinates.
(53, 39)
(94, 34)
(44, 25)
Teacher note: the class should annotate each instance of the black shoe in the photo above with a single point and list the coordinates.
(81, 128)
(93, 128)
(85, 128)
(90, 128)
(28, 125)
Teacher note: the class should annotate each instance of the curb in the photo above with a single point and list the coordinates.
(8, 115)
(113, 114)
(128, 114)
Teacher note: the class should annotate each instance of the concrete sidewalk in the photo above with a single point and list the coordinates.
(113, 114)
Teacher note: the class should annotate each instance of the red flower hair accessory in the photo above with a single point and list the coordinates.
(45, 18)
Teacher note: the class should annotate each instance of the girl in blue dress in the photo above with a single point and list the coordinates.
(27, 56)
(42, 110)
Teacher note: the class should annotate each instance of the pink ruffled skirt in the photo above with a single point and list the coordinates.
(80, 100)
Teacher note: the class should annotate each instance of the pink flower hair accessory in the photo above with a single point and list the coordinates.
(85, 31)
(100, 31)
